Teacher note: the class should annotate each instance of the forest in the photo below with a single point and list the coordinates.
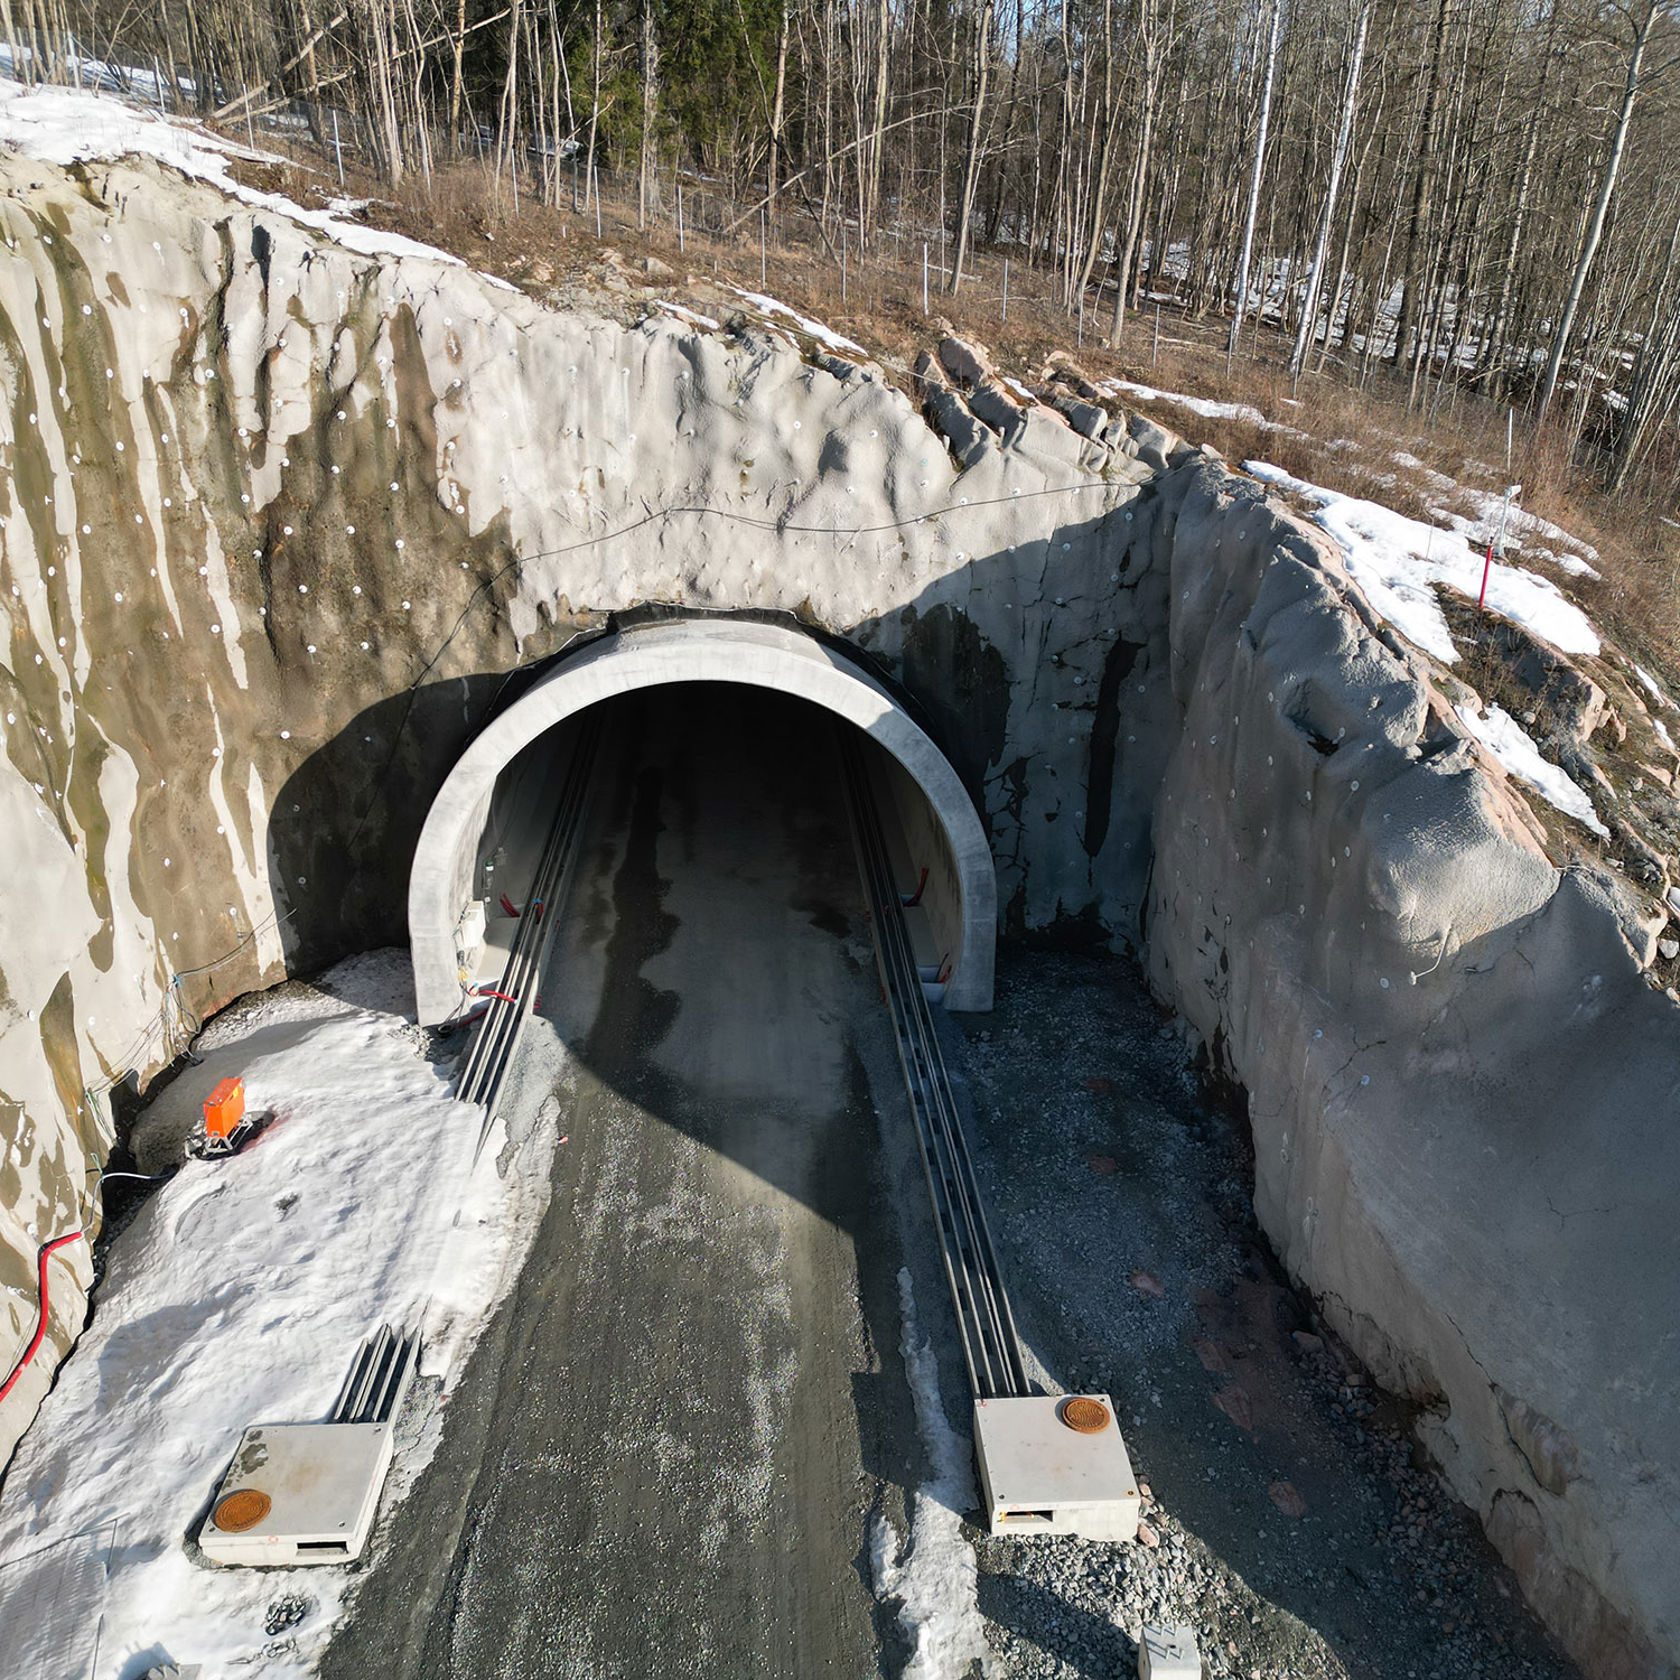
(1440, 196)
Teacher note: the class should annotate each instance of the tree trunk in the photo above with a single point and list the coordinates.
(1423, 188)
(648, 190)
(505, 140)
(1254, 183)
(594, 182)
(1656, 354)
(1149, 34)
(457, 82)
(389, 128)
(877, 145)
(971, 166)
(778, 118)
(1601, 209)
(1306, 331)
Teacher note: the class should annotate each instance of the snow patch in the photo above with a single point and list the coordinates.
(934, 1576)
(812, 329)
(693, 317)
(1571, 563)
(1481, 526)
(239, 1295)
(1481, 529)
(1398, 563)
(1511, 744)
(1653, 685)
(1207, 409)
(70, 125)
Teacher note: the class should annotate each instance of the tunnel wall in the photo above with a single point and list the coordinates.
(464, 868)
(926, 847)
(502, 841)
(237, 678)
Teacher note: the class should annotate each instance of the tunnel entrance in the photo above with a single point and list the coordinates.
(691, 1403)
(497, 798)
(750, 881)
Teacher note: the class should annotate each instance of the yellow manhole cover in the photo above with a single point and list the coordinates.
(245, 1509)
(1089, 1417)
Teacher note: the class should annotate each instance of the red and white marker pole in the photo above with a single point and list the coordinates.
(1497, 543)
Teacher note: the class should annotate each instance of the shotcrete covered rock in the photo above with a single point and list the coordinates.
(1461, 1088)
(281, 519)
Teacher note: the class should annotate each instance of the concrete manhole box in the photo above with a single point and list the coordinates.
(1055, 1464)
(298, 1493)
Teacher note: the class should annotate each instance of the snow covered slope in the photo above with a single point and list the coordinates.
(240, 1295)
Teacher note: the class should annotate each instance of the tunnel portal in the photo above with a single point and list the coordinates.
(492, 798)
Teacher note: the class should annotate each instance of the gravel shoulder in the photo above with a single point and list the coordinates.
(1294, 1527)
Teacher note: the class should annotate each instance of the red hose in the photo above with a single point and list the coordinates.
(41, 1321)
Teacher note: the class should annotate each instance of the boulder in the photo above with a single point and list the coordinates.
(1567, 704)
(1086, 418)
(967, 363)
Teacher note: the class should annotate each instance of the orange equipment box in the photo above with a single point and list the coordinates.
(225, 1109)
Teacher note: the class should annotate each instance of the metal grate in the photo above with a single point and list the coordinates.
(51, 1603)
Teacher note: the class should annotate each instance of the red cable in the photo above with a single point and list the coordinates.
(41, 1322)
(490, 992)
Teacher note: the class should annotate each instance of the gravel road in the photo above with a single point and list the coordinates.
(663, 1456)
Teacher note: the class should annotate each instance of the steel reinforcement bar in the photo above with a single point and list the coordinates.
(985, 1323)
(497, 1040)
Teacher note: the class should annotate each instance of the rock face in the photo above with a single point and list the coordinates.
(1461, 1088)
(281, 520)
(283, 524)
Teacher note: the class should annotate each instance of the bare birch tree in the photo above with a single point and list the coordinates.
(1258, 171)
(1307, 329)
(1642, 17)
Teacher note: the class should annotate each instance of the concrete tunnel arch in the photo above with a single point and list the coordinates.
(691, 650)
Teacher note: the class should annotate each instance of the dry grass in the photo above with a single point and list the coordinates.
(1339, 436)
